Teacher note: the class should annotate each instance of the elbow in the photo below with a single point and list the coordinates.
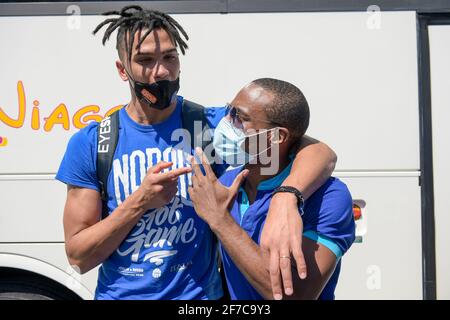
(79, 264)
(332, 159)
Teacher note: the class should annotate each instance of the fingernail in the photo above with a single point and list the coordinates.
(302, 275)
(278, 296)
(289, 291)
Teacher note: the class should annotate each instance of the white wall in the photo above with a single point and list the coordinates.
(440, 101)
(387, 264)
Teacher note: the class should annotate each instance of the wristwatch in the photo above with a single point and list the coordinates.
(296, 192)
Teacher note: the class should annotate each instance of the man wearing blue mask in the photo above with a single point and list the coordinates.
(150, 243)
(267, 117)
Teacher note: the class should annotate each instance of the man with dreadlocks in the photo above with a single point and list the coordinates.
(151, 244)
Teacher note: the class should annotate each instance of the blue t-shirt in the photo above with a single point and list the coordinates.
(170, 253)
(328, 219)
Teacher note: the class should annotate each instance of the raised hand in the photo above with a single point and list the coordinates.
(157, 189)
(211, 199)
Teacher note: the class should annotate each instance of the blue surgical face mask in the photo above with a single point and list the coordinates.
(229, 143)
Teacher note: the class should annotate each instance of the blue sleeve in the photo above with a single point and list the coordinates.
(228, 176)
(78, 166)
(214, 115)
(329, 213)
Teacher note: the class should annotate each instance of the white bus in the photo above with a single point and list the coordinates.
(376, 78)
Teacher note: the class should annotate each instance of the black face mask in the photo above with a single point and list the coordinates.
(157, 95)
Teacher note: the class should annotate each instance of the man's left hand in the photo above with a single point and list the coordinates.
(281, 239)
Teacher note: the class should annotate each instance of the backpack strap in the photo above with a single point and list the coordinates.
(194, 120)
(107, 136)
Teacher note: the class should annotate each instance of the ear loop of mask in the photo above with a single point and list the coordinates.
(129, 77)
(252, 157)
(277, 134)
(132, 84)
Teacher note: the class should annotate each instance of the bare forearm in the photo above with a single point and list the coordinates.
(246, 254)
(313, 165)
(95, 244)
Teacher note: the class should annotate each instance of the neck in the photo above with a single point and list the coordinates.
(143, 114)
(255, 176)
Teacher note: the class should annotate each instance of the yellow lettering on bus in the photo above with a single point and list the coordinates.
(110, 111)
(80, 118)
(59, 116)
(16, 123)
(35, 119)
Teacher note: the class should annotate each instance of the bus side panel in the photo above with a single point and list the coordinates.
(52, 254)
(387, 263)
(360, 81)
(440, 100)
(31, 210)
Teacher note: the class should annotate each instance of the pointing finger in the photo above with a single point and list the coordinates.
(160, 166)
(173, 174)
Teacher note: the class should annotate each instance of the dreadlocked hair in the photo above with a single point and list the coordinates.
(134, 18)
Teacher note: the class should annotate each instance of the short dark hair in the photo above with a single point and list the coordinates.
(134, 18)
(289, 107)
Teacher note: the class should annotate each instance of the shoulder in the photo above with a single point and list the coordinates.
(334, 193)
(329, 212)
(89, 134)
(78, 166)
(85, 137)
(214, 115)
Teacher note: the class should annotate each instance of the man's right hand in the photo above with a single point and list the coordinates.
(90, 240)
(158, 188)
